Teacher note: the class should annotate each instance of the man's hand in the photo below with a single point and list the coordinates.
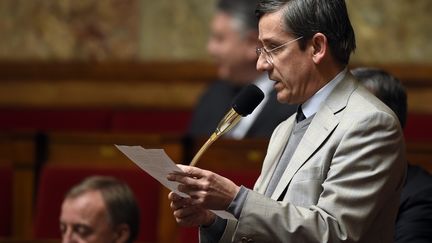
(187, 214)
(206, 189)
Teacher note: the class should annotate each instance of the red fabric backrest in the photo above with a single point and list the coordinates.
(154, 121)
(55, 181)
(418, 127)
(6, 179)
(54, 119)
(81, 119)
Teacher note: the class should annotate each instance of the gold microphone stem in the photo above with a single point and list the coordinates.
(228, 122)
(198, 155)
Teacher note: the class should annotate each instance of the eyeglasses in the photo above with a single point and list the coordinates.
(267, 53)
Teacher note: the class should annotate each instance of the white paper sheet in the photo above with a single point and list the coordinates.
(157, 164)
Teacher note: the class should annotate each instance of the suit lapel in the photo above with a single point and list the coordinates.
(322, 125)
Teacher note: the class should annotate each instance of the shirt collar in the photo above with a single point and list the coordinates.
(312, 105)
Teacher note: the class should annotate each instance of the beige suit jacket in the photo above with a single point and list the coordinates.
(343, 182)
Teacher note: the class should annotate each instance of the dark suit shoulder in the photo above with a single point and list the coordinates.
(414, 218)
(211, 107)
(417, 180)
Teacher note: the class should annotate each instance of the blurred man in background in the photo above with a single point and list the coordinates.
(232, 44)
(99, 209)
(414, 220)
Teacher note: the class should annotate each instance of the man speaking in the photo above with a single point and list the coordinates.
(334, 171)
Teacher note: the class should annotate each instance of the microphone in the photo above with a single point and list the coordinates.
(244, 103)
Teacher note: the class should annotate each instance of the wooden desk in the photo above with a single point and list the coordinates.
(229, 153)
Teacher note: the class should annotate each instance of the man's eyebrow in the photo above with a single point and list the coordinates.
(270, 40)
(265, 39)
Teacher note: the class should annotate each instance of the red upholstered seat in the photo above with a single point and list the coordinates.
(6, 178)
(55, 181)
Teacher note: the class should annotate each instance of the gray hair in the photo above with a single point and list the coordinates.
(120, 202)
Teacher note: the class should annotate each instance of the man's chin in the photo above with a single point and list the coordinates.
(284, 97)
(278, 86)
(281, 100)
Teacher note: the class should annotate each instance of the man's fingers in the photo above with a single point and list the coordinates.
(190, 182)
(177, 205)
(188, 189)
(172, 196)
(185, 212)
(191, 171)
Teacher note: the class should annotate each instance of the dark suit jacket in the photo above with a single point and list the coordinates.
(414, 220)
(216, 101)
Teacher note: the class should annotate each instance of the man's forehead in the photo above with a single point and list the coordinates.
(88, 206)
(271, 26)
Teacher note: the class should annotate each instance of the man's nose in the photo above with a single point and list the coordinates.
(262, 65)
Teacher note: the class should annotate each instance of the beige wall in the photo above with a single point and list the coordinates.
(388, 31)
(392, 31)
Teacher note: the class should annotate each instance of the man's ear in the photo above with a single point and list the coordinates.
(122, 233)
(319, 47)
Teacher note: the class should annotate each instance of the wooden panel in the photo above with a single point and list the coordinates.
(19, 148)
(86, 94)
(247, 154)
(119, 71)
(170, 85)
(99, 150)
(145, 85)
(419, 99)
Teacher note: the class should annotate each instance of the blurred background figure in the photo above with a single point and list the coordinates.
(99, 209)
(232, 44)
(414, 220)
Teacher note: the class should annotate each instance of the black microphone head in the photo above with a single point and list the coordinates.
(247, 100)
